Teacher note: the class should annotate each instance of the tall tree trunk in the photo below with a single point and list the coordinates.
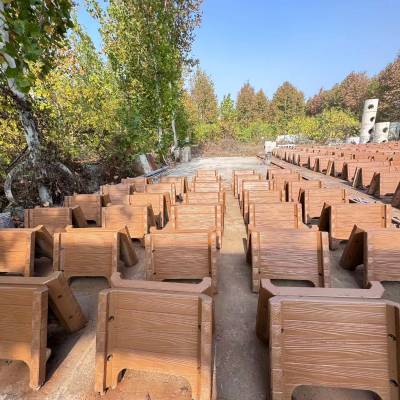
(31, 130)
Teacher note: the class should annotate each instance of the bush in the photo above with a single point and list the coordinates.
(255, 131)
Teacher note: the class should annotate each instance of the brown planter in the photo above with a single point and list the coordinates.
(290, 254)
(181, 255)
(333, 342)
(92, 252)
(155, 331)
(268, 290)
(20, 247)
(139, 219)
(54, 219)
(339, 219)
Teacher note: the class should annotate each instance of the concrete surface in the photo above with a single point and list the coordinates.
(240, 356)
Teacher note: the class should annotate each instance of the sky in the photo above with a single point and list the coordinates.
(311, 43)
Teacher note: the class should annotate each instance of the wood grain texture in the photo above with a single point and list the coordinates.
(268, 290)
(240, 172)
(339, 219)
(23, 328)
(139, 183)
(290, 254)
(181, 184)
(293, 189)
(197, 217)
(384, 183)
(165, 187)
(313, 200)
(92, 252)
(333, 342)
(137, 219)
(117, 192)
(155, 331)
(54, 219)
(275, 215)
(181, 255)
(205, 186)
(260, 197)
(160, 202)
(90, 205)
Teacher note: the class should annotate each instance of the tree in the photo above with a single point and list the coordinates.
(204, 98)
(246, 104)
(148, 44)
(262, 106)
(315, 104)
(286, 103)
(31, 32)
(388, 91)
(337, 124)
(227, 110)
(353, 91)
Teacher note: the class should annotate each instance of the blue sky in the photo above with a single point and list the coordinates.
(311, 43)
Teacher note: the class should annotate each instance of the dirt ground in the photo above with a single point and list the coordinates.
(240, 356)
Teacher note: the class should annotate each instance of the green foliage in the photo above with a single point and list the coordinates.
(287, 103)
(33, 30)
(257, 130)
(203, 98)
(246, 104)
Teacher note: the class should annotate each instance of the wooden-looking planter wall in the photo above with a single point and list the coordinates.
(378, 250)
(279, 182)
(139, 183)
(313, 200)
(181, 184)
(180, 342)
(333, 342)
(117, 192)
(19, 247)
(90, 204)
(260, 197)
(205, 198)
(181, 255)
(139, 219)
(92, 252)
(165, 187)
(205, 186)
(339, 219)
(290, 254)
(246, 178)
(276, 215)
(160, 203)
(269, 290)
(384, 183)
(54, 219)
(61, 298)
(197, 217)
(293, 188)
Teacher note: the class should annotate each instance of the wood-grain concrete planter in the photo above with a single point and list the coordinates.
(155, 331)
(260, 197)
(206, 172)
(280, 181)
(396, 197)
(197, 217)
(62, 301)
(181, 255)
(275, 215)
(291, 254)
(363, 175)
(384, 183)
(205, 186)
(349, 167)
(54, 219)
(160, 203)
(24, 306)
(339, 219)
(90, 204)
(237, 173)
(193, 198)
(293, 189)
(92, 252)
(203, 287)
(165, 187)
(378, 250)
(117, 192)
(313, 200)
(139, 183)
(246, 178)
(139, 219)
(181, 184)
(20, 247)
(333, 342)
(268, 290)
